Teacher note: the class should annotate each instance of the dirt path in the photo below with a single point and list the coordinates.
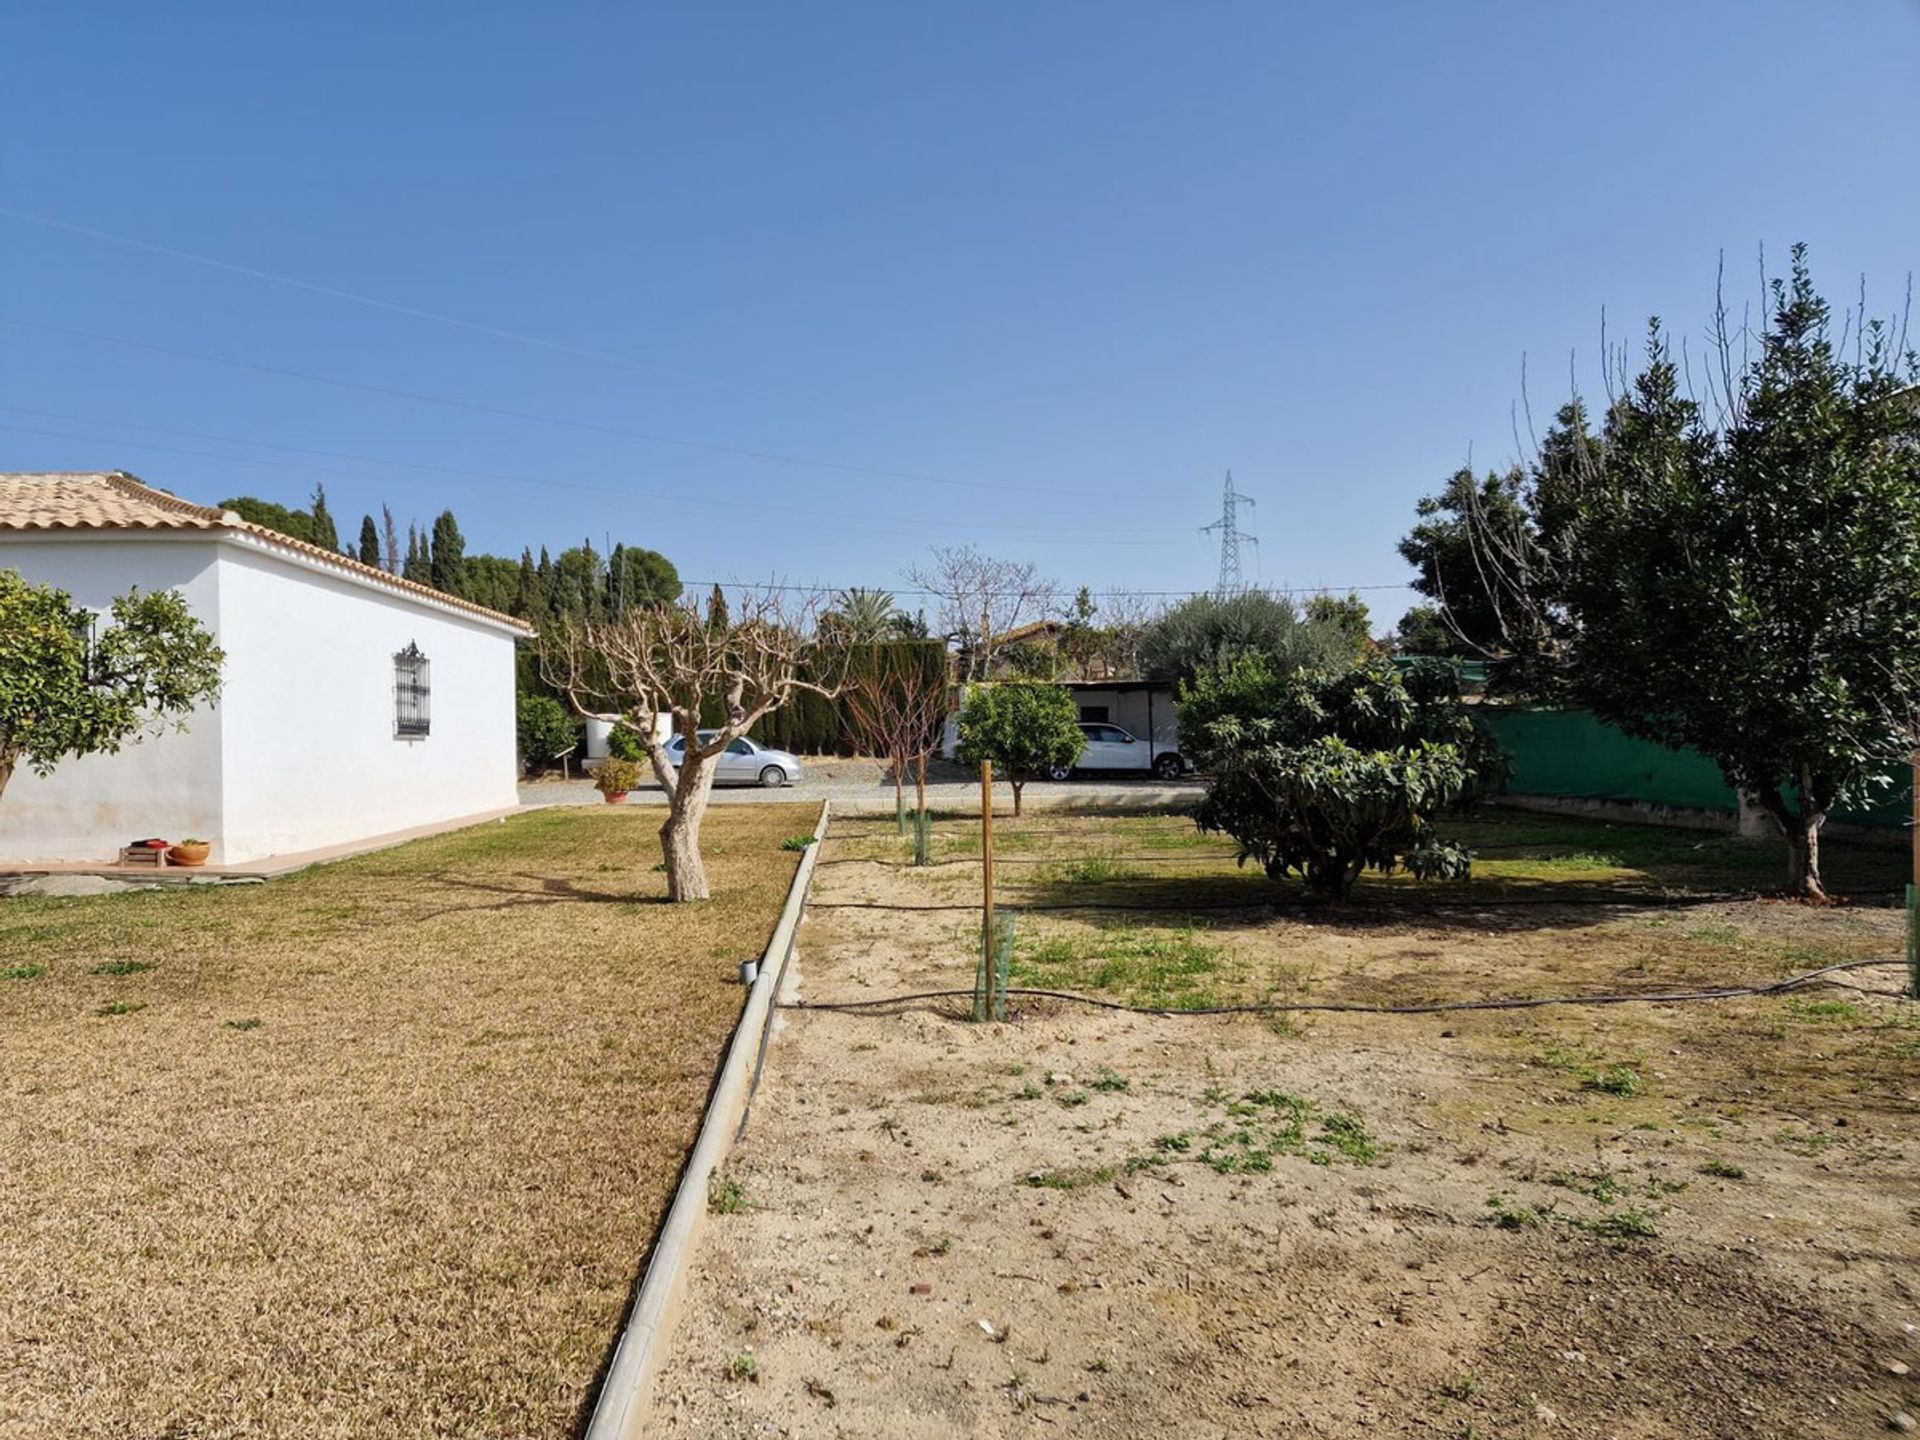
(1086, 1224)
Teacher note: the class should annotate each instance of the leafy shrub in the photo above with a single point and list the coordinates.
(616, 776)
(1332, 773)
(624, 743)
(546, 730)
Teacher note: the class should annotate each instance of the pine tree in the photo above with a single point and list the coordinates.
(325, 533)
(369, 542)
(449, 556)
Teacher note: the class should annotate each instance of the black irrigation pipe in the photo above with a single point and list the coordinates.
(1534, 1002)
(1416, 906)
(1173, 859)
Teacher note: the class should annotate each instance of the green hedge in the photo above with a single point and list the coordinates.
(811, 724)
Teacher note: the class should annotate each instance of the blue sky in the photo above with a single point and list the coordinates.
(1073, 260)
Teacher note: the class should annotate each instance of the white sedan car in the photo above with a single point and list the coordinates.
(745, 762)
(1111, 748)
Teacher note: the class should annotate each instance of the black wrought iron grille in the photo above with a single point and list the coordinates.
(412, 694)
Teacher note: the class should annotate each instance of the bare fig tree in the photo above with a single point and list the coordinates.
(744, 660)
(899, 705)
(980, 599)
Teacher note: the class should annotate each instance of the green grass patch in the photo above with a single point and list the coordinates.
(23, 972)
(1510, 1214)
(120, 1007)
(1827, 1010)
(1167, 969)
(1620, 1081)
(797, 842)
(1070, 1177)
(122, 967)
(1262, 1126)
(1090, 870)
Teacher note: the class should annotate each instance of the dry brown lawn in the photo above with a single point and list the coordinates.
(375, 1150)
(1626, 1223)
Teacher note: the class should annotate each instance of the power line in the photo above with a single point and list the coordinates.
(856, 520)
(334, 292)
(694, 584)
(1041, 594)
(505, 412)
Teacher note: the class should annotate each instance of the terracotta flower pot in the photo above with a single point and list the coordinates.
(614, 797)
(190, 852)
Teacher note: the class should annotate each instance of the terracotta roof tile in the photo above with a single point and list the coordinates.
(59, 500)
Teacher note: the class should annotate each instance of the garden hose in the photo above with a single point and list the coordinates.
(1807, 980)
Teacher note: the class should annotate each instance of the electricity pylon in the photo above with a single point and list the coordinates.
(1231, 538)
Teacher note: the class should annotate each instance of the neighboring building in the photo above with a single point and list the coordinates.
(353, 703)
(1043, 650)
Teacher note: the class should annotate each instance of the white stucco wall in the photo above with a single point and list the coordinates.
(301, 751)
(308, 748)
(168, 785)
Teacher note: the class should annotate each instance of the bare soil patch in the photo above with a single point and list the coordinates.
(1631, 1221)
(373, 1150)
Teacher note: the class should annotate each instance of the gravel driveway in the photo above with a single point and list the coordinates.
(862, 787)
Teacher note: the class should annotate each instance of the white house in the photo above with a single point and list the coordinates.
(353, 703)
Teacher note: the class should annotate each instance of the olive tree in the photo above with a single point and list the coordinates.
(732, 666)
(1024, 727)
(68, 689)
(1333, 773)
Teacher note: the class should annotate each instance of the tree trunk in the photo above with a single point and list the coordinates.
(1803, 856)
(1801, 830)
(920, 785)
(7, 761)
(680, 835)
(1018, 786)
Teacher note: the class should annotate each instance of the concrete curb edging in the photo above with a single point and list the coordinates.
(621, 1411)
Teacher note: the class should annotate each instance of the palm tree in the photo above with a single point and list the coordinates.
(866, 616)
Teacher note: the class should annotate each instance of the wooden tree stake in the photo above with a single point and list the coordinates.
(986, 871)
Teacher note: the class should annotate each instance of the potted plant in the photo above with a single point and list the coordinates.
(190, 852)
(615, 778)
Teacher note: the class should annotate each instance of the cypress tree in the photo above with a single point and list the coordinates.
(718, 616)
(325, 533)
(449, 556)
(530, 600)
(393, 557)
(418, 566)
(369, 542)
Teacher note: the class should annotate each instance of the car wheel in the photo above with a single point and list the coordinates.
(772, 778)
(1169, 767)
(1059, 772)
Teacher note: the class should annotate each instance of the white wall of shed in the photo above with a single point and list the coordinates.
(310, 753)
(168, 785)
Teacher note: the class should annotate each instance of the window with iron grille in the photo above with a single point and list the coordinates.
(412, 692)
